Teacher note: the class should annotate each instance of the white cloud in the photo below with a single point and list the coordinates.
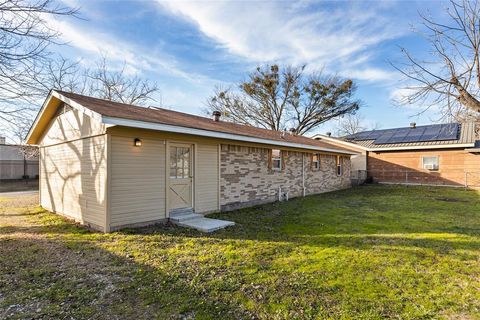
(370, 74)
(398, 94)
(116, 50)
(279, 31)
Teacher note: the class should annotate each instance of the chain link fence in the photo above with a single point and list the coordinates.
(472, 179)
(458, 178)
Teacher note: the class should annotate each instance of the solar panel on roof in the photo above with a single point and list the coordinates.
(448, 132)
(367, 135)
(421, 134)
(399, 136)
(384, 138)
(434, 132)
(414, 135)
(411, 139)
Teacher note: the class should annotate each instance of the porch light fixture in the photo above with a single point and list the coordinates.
(137, 142)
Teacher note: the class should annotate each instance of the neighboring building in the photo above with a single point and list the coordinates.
(110, 165)
(439, 154)
(17, 162)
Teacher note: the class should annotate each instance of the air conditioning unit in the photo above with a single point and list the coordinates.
(430, 166)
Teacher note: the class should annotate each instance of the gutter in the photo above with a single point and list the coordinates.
(473, 150)
(438, 146)
(353, 145)
(213, 134)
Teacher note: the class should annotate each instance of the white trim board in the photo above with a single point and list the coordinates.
(353, 145)
(335, 140)
(213, 134)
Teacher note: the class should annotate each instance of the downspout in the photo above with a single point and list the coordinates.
(303, 173)
(24, 166)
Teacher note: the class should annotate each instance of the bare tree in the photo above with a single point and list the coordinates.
(24, 39)
(102, 81)
(353, 123)
(118, 86)
(451, 77)
(276, 98)
(28, 69)
(18, 127)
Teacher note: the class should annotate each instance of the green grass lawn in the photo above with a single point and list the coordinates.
(370, 252)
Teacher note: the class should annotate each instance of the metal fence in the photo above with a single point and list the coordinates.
(458, 178)
(472, 179)
(358, 177)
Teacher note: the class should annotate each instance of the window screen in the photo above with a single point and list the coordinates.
(339, 165)
(276, 159)
(316, 161)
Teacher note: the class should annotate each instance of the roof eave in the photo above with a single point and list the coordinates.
(46, 103)
(340, 141)
(438, 146)
(473, 150)
(214, 134)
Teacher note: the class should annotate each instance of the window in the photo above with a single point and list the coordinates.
(316, 161)
(338, 162)
(179, 162)
(276, 159)
(430, 162)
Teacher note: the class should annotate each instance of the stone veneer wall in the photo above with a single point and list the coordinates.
(246, 180)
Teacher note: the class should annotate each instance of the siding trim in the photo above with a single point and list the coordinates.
(194, 184)
(108, 179)
(167, 178)
(440, 146)
(219, 165)
(357, 146)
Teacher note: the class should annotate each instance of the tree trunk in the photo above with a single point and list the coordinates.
(466, 98)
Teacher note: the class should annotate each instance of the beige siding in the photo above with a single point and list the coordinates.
(137, 181)
(206, 178)
(69, 126)
(72, 179)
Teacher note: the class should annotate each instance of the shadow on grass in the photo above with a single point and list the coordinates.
(359, 218)
(166, 272)
(75, 278)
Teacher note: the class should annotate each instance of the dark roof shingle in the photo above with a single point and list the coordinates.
(163, 116)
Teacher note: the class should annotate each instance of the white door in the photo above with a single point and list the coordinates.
(181, 176)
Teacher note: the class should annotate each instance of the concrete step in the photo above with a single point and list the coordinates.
(205, 224)
(184, 217)
(180, 211)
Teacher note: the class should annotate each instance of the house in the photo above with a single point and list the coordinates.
(17, 161)
(438, 154)
(110, 165)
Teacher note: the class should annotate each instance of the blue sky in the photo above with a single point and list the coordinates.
(188, 48)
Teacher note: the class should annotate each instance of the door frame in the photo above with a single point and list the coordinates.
(193, 169)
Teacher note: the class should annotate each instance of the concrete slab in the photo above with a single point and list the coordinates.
(184, 217)
(205, 224)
